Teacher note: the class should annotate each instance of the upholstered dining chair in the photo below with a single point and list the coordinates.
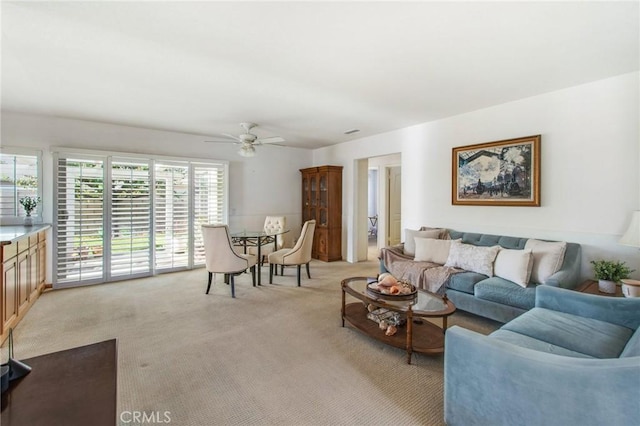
(271, 224)
(299, 255)
(220, 258)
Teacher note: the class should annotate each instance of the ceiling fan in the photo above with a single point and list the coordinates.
(247, 140)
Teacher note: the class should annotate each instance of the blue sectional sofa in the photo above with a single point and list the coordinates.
(497, 298)
(574, 359)
(494, 297)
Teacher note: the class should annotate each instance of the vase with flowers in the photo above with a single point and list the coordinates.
(29, 204)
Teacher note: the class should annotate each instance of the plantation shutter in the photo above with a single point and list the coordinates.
(126, 216)
(209, 192)
(171, 215)
(130, 218)
(79, 211)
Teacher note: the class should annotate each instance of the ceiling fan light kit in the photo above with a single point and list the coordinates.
(248, 140)
(247, 150)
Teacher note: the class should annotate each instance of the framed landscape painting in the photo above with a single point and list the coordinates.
(502, 173)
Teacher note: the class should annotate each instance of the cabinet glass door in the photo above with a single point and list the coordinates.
(313, 193)
(305, 198)
(323, 217)
(323, 191)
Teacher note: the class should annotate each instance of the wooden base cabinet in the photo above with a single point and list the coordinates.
(9, 294)
(23, 280)
(23, 277)
(322, 201)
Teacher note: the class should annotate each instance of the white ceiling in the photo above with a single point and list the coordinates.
(307, 71)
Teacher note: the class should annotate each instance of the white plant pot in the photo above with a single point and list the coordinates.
(630, 288)
(28, 221)
(607, 286)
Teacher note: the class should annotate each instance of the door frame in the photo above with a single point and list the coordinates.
(387, 205)
(360, 203)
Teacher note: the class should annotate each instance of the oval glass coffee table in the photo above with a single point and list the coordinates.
(417, 335)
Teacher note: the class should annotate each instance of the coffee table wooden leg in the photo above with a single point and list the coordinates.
(343, 301)
(409, 336)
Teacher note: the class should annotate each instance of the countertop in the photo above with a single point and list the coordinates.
(12, 233)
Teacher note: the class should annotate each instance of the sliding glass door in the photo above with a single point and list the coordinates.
(172, 214)
(129, 221)
(119, 217)
(80, 220)
(209, 203)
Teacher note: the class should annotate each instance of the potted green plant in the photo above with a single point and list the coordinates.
(29, 204)
(609, 273)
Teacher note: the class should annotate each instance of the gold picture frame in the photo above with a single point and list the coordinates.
(501, 173)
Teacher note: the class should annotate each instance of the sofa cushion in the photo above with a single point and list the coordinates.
(632, 347)
(589, 336)
(547, 258)
(535, 344)
(432, 250)
(411, 234)
(465, 281)
(472, 258)
(488, 240)
(506, 292)
(514, 265)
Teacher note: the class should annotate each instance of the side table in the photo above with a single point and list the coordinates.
(591, 286)
(76, 386)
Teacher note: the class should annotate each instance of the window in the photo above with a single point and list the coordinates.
(106, 208)
(19, 177)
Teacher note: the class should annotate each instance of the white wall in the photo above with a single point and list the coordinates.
(372, 193)
(259, 186)
(589, 171)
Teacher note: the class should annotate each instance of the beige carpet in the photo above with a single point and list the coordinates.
(275, 355)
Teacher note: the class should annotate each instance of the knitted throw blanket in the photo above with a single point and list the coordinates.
(425, 275)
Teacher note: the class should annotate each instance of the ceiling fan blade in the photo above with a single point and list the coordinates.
(234, 137)
(225, 138)
(271, 140)
(224, 141)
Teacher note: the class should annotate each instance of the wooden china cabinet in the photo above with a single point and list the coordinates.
(322, 201)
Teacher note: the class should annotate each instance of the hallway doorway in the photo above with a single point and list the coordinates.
(383, 204)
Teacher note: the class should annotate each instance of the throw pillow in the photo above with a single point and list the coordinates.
(547, 258)
(444, 232)
(432, 250)
(409, 239)
(472, 258)
(514, 265)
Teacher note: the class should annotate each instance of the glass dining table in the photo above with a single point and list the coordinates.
(257, 239)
